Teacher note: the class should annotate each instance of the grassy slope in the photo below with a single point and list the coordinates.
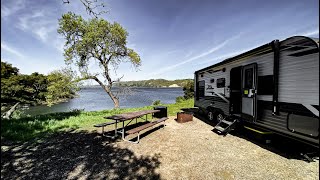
(28, 128)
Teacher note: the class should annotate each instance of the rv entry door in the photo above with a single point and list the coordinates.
(249, 92)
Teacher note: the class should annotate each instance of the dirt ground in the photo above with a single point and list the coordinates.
(178, 151)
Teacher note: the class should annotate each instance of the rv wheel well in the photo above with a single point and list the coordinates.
(215, 110)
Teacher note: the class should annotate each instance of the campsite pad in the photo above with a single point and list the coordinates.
(178, 151)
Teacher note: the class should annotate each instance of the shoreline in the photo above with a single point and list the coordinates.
(146, 87)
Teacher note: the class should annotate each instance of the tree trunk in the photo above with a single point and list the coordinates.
(107, 89)
(116, 103)
(9, 113)
(114, 99)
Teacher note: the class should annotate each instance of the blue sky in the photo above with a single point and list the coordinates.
(174, 38)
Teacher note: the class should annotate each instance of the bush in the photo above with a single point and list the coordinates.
(180, 99)
(188, 90)
(156, 102)
(17, 114)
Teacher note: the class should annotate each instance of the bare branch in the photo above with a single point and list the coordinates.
(118, 80)
(124, 92)
(90, 6)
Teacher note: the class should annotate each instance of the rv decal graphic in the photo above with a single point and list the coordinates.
(209, 87)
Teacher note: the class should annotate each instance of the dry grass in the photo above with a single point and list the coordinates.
(178, 151)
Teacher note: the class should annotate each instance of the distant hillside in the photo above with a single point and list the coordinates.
(154, 83)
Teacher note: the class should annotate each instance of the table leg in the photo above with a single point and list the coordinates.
(123, 129)
(115, 133)
(116, 128)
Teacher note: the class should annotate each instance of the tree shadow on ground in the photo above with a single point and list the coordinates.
(75, 155)
(26, 128)
(283, 146)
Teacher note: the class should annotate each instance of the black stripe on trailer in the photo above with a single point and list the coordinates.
(276, 49)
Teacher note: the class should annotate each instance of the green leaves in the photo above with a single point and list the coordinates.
(35, 88)
(134, 58)
(188, 90)
(95, 38)
(8, 70)
(61, 86)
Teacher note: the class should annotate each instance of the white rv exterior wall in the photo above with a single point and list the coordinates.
(265, 67)
(299, 79)
(298, 82)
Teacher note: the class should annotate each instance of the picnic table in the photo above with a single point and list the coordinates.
(130, 116)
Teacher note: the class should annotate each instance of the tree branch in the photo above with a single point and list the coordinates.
(90, 5)
(9, 113)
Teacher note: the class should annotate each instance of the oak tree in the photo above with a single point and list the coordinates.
(93, 40)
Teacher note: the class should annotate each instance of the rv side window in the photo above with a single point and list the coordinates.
(221, 82)
(265, 85)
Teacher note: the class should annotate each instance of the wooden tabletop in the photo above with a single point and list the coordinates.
(131, 115)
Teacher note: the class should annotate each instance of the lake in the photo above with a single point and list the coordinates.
(95, 98)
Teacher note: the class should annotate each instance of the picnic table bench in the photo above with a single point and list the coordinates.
(130, 116)
(102, 125)
(143, 127)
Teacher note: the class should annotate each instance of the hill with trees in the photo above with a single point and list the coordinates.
(155, 83)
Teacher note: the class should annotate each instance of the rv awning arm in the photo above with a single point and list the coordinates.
(276, 49)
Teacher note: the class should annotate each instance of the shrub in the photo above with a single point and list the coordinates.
(156, 102)
(188, 90)
(180, 99)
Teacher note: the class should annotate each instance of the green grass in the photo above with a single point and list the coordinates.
(27, 128)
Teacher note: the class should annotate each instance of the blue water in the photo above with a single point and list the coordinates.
(95, 98)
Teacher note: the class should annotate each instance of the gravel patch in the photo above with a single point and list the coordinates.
(178, 151)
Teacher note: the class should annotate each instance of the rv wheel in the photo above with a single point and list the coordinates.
(210, 115)
(219, 117)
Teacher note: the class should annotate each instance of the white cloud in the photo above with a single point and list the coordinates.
(311, 33)
(39, 23)
(5, 11)
(42, 33)
(58, 43)
(225, 56)
(212, 50)
(27, 21)
(11, 50)
(11, 7)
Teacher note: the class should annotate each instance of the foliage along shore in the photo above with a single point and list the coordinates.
(154, 83)
(39, 126)
(35, 89)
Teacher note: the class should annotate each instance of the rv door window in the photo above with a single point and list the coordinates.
(221, 82)
(248, 78)
(200, 89)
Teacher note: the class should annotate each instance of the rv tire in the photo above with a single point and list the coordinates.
(219, 117)
(211, 115)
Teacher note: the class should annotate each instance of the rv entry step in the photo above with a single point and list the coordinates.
(225, 126)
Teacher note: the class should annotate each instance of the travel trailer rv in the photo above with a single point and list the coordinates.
(273, 87)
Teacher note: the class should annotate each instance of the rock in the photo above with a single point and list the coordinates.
(174, 85)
